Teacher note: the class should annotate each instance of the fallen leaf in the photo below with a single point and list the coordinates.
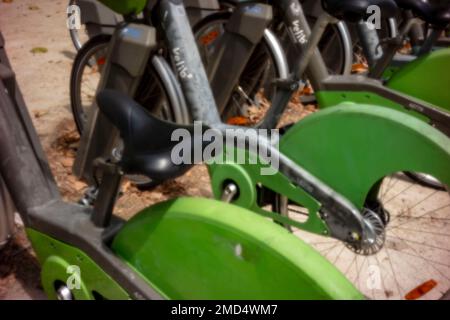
(406, 49)
(307, 90)
(421, 290)
(7, 1)
(78, 185)
(359, 67)
(310, 107)
(238, 121)
(126, 186)
(67, 162)
(33, 7)
(39, 50)
(39, 114)
(293, 105)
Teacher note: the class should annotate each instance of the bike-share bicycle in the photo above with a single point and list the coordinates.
(356, 147)
(183, 248)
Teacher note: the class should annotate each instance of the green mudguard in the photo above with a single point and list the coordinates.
(205, 249)
(426, 78)
(351, 146)
(125, 7)
(64, 264)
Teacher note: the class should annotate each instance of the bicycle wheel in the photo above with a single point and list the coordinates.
(100, 22)
(255, 91)
(412, 257)
(85, 78)
(253, 94)
(78, 36)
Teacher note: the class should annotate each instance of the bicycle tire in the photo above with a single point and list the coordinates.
(81, 60)
(143, 95)
(250, 90)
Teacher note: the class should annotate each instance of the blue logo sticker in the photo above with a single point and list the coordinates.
(132, 32)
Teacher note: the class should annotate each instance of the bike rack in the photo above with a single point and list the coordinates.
(128, 54)
(243, 32)
(199, 9)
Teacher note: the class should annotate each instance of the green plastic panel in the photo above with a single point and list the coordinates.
(248, 178)
(354, 146)
(205, 249)
(328, 99)
(426, 78)
(125, 6)
(55, 258)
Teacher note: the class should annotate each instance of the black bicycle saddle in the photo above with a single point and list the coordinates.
(434, 12)
(147, 139)
(355, 10)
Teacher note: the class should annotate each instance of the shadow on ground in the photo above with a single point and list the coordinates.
(19, 270)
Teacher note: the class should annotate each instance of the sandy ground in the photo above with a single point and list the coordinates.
(43, 79)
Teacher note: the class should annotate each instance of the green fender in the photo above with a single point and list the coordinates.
(125, 7)
(247, 177)
(205, 249)
(351, 146)
(426, 78)
(56, 257)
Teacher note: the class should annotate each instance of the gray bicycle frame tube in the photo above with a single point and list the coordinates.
(314, 8)
(176, 97)
(199, 97)
(310, 60)
(416, 33)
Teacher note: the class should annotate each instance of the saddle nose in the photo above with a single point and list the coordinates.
(148, 142)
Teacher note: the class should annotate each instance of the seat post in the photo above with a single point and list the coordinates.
(111, 178)
(311, 47)
(370, 42)
(430, 41)
(416, 34)
(391, 48)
